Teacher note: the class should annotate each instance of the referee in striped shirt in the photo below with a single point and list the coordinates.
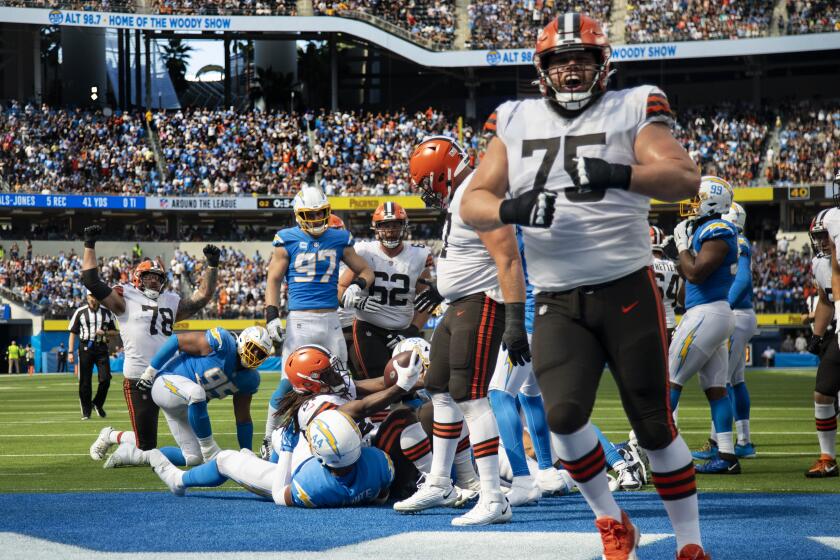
(91, 324)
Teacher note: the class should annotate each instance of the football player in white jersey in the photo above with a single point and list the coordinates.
(386, 315)
(484, 285)
(666, 276)
(824, 344)
(146, 315)
(575, 168)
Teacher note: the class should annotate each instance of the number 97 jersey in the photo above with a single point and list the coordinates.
(596, 236)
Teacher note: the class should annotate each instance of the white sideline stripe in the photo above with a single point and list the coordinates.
(701, 432)
(478, 545)
(91, 435)
(830, 542)
(46, 455)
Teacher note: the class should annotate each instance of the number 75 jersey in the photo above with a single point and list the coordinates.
(597, 236)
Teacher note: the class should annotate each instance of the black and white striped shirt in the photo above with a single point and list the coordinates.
(85, 322)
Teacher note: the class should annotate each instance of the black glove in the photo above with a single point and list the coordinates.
(429, 299)
(598, 175)
(412, 331)
(211, 255)
(515, 339)
(534, 208)
(815, 344)
(91, 234)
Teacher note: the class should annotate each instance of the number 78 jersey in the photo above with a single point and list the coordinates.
(596, 236)
(145, 325)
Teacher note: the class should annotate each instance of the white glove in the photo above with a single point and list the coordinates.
(351, 296)
(369, 304)
(407, 376)
(275, 330)
(147, 379)
(681, 236)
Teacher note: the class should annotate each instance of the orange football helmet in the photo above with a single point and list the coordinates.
(573, 32)
(335, 222)
(390, 224)
(657, 238)
(311, 370)
(142, 277)
(435, 163)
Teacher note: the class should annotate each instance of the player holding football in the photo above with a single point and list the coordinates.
(386, 315)
(210, 364)
(825, 233)
(578, 168)
(146, 316)
(480, 276)
(307, 257)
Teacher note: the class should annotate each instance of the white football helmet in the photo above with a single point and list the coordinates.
(312, 210)
(334, 439)
(715, 197)
(254, 346)
(409, 344)
(736, 215)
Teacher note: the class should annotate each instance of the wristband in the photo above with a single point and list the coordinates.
(98, 289)
(90, 243)
(271, 312)
(515, 313)
(360, 282)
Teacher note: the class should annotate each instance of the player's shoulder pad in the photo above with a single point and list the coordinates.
(301, 495)
(716, 229)
(744, 244)
(504, 114)
(284, 236)
(217, 337)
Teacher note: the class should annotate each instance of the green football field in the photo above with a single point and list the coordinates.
(44, 444)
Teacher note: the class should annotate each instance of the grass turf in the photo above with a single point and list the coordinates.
(44, 444)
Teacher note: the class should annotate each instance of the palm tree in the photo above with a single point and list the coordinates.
(272, 89)
(176, 55)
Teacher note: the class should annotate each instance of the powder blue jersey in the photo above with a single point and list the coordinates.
(314, 486)
(740, 294)
(219, 373)
(529, 290)
(716, 286)
(312, 275)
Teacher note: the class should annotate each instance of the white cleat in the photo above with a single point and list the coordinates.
(523, 492)
(490, 509)
(126, 455)
(171, 475)
(100, 447)
(612, 482)
(629, 479)
(552, 482)
(637, 457)
(433, 492)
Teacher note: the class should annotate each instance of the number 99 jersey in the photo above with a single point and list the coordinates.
(219, 373)
(312, 275)
(597, 236)
(144, 326)
(395, 280)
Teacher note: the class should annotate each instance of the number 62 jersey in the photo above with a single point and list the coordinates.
(597, 236)
(144, 326)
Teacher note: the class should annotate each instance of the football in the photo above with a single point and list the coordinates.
(402, 359)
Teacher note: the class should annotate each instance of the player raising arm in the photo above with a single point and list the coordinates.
(307, 257)
(146, 316)
(578, 168)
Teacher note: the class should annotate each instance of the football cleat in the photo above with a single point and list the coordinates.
(612, 482)
(126, 455)
(171, 475)
(825, 467)
(629, 478)
(432, 492)
(746, 451)
(100, 447)
(620, 540)
(552, 483)
(707, 452)
(693, 552)
(265, 449)
(491, 509)
(523, 492)
(719, 465)
(639, 454)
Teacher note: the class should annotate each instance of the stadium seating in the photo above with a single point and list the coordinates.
(807, 146)
(782, 282)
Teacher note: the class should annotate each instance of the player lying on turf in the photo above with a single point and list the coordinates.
(339, 472)
(319, 385)
(211, 364)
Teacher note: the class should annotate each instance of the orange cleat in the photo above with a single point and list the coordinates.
(693, 552)
(620, 539)
(825, 467)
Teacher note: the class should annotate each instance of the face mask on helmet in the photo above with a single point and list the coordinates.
(818, 234)
(254, 346)
(390, 233)
(315, 222)
(715, 197)
(151, 284)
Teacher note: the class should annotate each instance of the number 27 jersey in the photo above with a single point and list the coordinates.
(596, 236)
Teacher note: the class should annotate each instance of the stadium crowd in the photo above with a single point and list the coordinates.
(808, 146)
(782, 280)
(812, 16)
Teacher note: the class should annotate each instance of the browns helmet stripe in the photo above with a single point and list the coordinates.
(571, 26)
